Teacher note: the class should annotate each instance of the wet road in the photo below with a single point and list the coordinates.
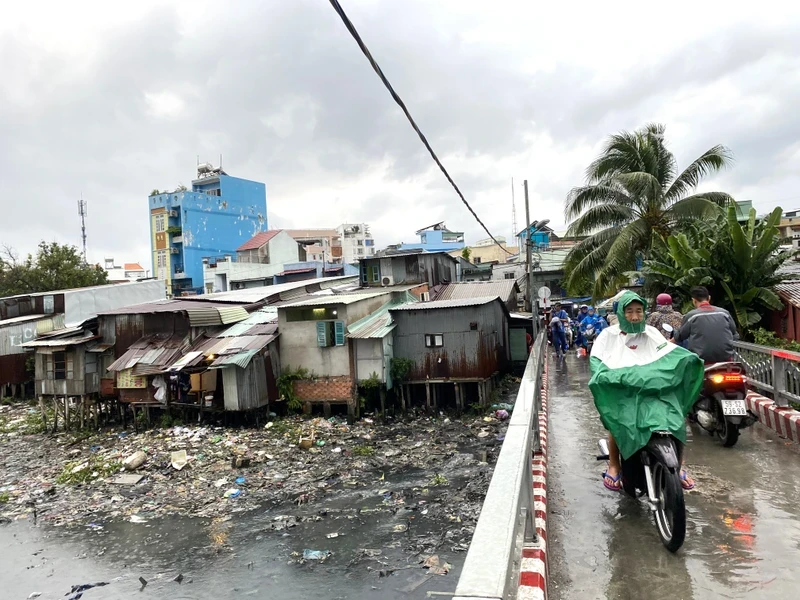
(743, 522)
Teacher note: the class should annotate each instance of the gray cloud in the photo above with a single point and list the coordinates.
(281, 89)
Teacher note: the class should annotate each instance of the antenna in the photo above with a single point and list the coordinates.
(220, 162)
(82, 213)
(513, 213)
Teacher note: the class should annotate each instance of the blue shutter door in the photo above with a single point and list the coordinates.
(322, 334)
(339, 331)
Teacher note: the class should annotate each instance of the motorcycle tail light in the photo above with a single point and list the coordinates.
(734, 378)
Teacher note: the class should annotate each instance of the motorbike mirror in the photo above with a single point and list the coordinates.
(667, 327)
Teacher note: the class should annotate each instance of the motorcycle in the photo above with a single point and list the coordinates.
(589, 336)
(655, 471)
(721, 409)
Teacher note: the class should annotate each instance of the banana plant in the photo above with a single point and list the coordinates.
(738, 263)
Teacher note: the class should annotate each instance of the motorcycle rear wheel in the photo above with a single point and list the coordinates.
(727, 433)
(670, 513)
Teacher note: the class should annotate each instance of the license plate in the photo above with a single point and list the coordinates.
(734, 408)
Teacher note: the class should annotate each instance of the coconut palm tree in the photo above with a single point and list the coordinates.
(632, 191)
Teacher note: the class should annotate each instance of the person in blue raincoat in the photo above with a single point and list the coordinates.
(592, 318)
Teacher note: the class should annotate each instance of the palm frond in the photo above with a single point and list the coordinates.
(581, 198)
(601, 216)
(712, 160)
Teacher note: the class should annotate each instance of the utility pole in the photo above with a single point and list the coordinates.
(82, 213)
(528, 270)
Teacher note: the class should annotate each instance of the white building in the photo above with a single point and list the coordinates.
(127, 272)
(356, 241)
(256, 263)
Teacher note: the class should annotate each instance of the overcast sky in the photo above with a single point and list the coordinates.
(112, 103)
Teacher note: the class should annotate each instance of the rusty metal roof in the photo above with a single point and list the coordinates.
(271, 293)
(380, 323)
(789, 291)
(160, 306)
(151, 354)
(504, 288)
(448, 303)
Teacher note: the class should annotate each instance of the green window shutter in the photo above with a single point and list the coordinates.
(322, 334)
(339, 332)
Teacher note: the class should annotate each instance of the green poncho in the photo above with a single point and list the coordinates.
(642, 383)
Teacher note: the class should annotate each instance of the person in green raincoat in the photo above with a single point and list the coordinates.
(641, 383)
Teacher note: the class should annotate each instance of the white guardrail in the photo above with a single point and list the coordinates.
(771, 371)
(506, 522)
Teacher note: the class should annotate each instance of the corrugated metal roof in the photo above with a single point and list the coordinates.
(259, 294)
(380, 323)
(60, 343)
(788, 290)
(216, 315)
(448, 303)
(151, 354)
(23, 319)
(160, 306)
(258, 240)
(327, 299)
(378, 326)
(504, 288)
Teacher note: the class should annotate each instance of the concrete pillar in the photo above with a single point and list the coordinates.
(383, 401)
(428, 395)
(481, 394)
(459, 397)
(81, 413)
(66, 413)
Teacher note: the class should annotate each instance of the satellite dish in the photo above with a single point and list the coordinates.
(544, 292)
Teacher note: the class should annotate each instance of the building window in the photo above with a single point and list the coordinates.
(160, 219)
(509, 276)
(330, 333)
(359, 242)
(364, 276)
(434, 340)
(376, 274)
(161, 258)
(59, 366)
(476, 260)
(360, 251)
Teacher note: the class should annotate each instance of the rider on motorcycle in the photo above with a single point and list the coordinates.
(635, 336)
(582, 313)
(708, 330)
(664, 313)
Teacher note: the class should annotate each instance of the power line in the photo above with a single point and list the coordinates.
(351, 28)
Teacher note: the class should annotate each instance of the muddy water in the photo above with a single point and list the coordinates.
(243, 556)
(743, 531)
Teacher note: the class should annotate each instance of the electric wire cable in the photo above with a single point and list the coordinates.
(351, 28)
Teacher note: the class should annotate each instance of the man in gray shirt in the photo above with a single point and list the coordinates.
(708, 330)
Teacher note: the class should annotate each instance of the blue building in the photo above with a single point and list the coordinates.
(540, 236)
(437, 238)
(217, 216)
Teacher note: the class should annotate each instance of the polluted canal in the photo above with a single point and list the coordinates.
(302, 508)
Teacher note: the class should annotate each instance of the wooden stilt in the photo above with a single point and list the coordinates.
(44, 413)
(428, 395)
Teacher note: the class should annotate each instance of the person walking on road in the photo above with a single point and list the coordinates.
(664, 313)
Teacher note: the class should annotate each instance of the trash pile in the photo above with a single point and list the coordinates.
(81, 478)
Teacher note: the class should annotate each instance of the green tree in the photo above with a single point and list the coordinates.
(738, 264)
(633, 190)
(55, 267)
(466, 253)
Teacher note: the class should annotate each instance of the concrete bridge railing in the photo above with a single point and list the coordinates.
(506, 522)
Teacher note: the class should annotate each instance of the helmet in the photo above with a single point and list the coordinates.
(584, 306)
(664, 300)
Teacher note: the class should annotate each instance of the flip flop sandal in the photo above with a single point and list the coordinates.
(616, 486)
(685, 483)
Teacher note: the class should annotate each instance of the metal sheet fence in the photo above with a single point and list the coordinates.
(491, 569)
